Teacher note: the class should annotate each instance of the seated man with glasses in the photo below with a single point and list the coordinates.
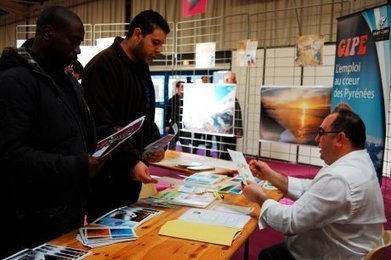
(337, 215)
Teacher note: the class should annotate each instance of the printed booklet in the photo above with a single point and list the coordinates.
(108, 144)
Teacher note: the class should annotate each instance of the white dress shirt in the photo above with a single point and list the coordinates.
(337, 215)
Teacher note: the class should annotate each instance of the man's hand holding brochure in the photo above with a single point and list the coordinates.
(110, 143)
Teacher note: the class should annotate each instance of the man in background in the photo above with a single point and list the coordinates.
(119, 89)
(173, 115)
(337, 215)
(229, 142)
(47, 133)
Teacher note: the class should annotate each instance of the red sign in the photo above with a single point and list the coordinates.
(193, 7)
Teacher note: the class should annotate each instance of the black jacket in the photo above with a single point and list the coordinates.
(119, 91)
(44, 146)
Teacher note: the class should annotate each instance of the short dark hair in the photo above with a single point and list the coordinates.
(352, 125)
(179, 83)
(148, 21)
(56, 16)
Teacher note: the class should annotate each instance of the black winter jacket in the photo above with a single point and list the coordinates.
(119, 91)
(44, 146)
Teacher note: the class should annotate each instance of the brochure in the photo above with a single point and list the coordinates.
(205, 178)
(160, 143)
(95, 236)
(116, 226)
(108, 144)
(214, 217)
(230, 208)
(242, 166)
(49, 251)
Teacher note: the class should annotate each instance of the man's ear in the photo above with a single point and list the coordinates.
(48, 32)
(138, 33)
(341, 138)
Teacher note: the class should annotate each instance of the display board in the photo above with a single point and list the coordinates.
(293, 114)
(209, 108)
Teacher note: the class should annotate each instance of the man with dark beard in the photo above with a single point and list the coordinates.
(119, 89)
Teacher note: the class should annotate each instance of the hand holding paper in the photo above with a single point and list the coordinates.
(254, 192)
(140, 172)
(260, 169)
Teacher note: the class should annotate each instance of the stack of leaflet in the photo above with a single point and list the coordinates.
(49, 251)
(116, 226)
(95, 236)
(210, 182)
(200, 182)
(170, 197)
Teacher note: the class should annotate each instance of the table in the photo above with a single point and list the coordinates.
(150, 245)
(173, 158)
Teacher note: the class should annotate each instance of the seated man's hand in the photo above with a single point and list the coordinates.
(260, 169)
(254, 192)
(140, 172)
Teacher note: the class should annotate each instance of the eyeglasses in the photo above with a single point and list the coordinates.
(321, 131)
